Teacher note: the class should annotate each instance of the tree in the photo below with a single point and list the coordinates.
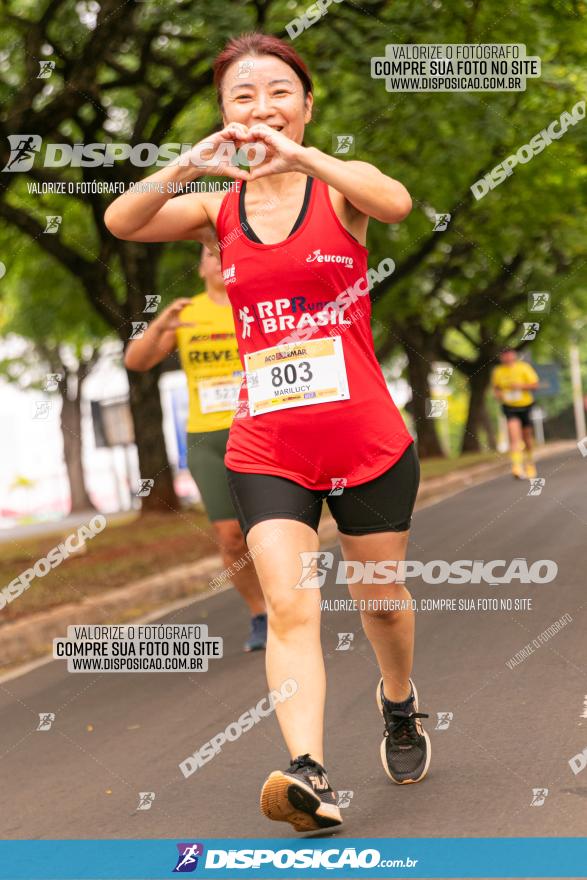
(59, 337)
(46, 366)
(142, 73)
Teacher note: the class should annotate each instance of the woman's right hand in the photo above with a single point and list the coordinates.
(154, 215)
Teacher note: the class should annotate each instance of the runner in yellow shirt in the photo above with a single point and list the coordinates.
(513, 382)
(202, 328)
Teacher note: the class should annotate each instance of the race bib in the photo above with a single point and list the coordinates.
(511, 396)
(296, 374)
(219, 394)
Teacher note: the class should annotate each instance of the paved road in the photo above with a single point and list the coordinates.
(513, 730)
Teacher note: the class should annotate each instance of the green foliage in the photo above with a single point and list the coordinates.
(148, 77)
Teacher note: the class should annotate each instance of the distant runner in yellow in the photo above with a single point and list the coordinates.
(513, 382)
(202, 328)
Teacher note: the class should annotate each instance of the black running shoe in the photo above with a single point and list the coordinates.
(405, 749)
(301, 795)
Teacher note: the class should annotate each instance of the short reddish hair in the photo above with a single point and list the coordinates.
(258, 44)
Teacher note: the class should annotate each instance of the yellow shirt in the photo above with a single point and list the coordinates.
(209, 355)
(518, 373)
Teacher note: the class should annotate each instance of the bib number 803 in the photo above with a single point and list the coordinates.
(290, 375)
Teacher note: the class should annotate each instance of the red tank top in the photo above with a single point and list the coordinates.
(283, 292)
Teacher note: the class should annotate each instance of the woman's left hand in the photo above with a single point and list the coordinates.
(282, 155)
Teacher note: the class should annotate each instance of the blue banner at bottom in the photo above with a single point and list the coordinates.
(260, 858)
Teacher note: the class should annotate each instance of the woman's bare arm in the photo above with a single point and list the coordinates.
(153, 213)
(158, 340)
(366, 189)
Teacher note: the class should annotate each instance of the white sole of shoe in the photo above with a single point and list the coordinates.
(382, 749)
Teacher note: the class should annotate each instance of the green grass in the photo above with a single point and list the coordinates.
(125, 551)
(437, 467)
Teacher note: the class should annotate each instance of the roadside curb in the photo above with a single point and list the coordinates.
(28, 638)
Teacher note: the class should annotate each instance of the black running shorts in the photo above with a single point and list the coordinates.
(384, 504)
(518, 412)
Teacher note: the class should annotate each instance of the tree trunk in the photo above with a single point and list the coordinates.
(487, 423)
(140, 265)
(71, 429)
(145, 404)
(477, 417)
(418, 370)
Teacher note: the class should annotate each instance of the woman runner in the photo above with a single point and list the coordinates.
(202, 329)
(314, 416)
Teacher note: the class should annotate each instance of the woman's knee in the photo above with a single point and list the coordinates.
(383, 612)
(286, 614)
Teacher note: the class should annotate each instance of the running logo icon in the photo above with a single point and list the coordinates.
(313, 573)
(42, 409)
(539, 301)
(146, 799)
(441, 376)
(152, 301)
(441, 222)
(444, 719)
(52, 381)
(138, 329)
(53, 223)
(343, 799)
(22, 151)
(539, 795)
(145, 488)
(436, 409)
(244, 68)
(578, 762)
(343, 144)
(46, 68)
(345, 641)
(530, 331)
(536, 486)
(187, 860)
(46, 719)
(242, 410)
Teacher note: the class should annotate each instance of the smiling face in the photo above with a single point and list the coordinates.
(265, 89)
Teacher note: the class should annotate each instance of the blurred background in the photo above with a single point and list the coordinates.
(79, 432)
